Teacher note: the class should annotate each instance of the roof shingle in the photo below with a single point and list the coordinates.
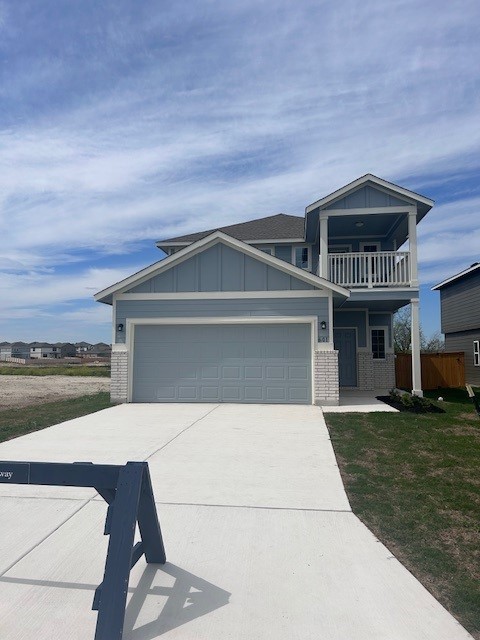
(278, 227)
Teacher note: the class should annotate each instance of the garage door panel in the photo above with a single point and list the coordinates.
(298, 394)
(210, 394)
(253, 373)
(232, 373)
(276, 394)
(233, 350)
(298, 373)
(231, 394)
(234, 363)
(211, 372)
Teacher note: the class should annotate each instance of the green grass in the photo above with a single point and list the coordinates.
(414, 480)
(18, 422)
(56, 370)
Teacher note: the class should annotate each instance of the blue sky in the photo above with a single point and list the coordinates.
(125, 122)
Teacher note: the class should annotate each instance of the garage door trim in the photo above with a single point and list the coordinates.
(132, 322)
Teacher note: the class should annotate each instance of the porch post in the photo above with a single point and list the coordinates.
(416, 362)
(412, 241)
(323, 247)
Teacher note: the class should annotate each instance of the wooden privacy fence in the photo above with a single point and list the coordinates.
(438, 370)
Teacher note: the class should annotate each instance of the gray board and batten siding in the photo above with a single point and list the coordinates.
(213, 308)
(463, 341)
(460, 304)
(365, 197)
(221, 268)
(243, 363)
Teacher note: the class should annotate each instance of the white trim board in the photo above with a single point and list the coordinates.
(209, 241)
(470, 269)
(362, 211)
(224, 295)
(131, 323)
(379, 182)
(166, 243)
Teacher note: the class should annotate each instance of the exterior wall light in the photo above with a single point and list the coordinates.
(120, 327)
(323, 325)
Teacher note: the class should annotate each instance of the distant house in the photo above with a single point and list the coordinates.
(99, 350)
(82, 347)
(44, 350)
(66, 349)
(460, 313)
(14, 350)
(5, 350)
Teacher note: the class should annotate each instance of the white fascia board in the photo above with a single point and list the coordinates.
(369, 177)
(226, 295)
(456, 277)
(165, 243)
(200, 245)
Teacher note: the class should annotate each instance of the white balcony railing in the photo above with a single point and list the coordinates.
(368, 270)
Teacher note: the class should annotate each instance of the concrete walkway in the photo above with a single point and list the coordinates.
(260, 538)
(361, 402)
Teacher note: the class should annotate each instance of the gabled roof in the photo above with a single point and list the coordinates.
(473, 267)
(178, 257)
(369, 177)
(277, 227)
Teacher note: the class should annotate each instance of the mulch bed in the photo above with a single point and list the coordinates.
(431, 408)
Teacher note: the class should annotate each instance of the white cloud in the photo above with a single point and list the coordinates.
(232, 112)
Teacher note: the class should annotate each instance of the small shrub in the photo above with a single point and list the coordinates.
(394, 395)
(407, 400)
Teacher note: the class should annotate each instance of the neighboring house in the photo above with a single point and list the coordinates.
(276, 310)
(99, 350)
(460, 312)
(82, 347)
(5, 350)
(14, 350)
(44, 350)
(66, 349)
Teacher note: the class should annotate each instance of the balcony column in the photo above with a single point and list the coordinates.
(323, 247)
(415, 336)
(412, 241)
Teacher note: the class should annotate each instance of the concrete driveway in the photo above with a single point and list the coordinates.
(260, 538)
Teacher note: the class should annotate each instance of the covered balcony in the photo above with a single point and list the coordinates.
(370, 269)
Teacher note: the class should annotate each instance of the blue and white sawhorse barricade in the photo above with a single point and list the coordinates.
(128, 491)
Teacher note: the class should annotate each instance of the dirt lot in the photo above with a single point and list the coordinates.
(20, 391)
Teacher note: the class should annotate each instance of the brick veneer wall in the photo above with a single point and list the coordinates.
(326, 377)
(365, 371)
(375, 374)
(384, 372)
(119, 376)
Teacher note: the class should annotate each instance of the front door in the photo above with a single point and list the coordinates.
(345, 341)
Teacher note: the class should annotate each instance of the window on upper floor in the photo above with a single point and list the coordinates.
(476, 353)
(268, 250)
(369, 247)
(340, 248)
(378, 344)
(301, 257)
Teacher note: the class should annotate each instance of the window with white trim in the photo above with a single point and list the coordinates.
(378, 344)
(301, 257)
(268, 250)
(476, 353)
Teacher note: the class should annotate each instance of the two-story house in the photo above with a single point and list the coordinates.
(44, 350)
(14, 350)
(283, 309)
(460, 314)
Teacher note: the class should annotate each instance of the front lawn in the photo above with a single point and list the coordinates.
(18, 422)
(414, 481)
